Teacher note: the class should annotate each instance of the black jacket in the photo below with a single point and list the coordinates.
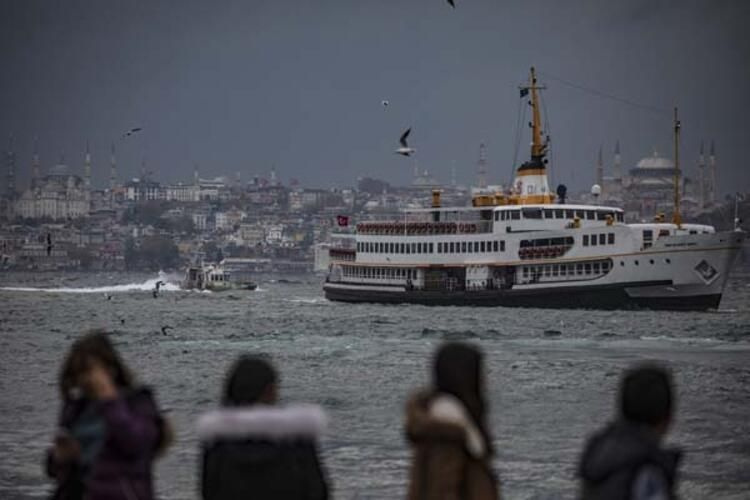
(613, 458)
(262, 452)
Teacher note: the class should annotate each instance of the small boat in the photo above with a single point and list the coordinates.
(213, 277)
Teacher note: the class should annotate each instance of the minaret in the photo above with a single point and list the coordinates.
(616, 169)
(482, 167)
(87, 168)
(712, 174)
(599, 169)
(35, 165)
(112, 169)
(10, 160)
(702, 177)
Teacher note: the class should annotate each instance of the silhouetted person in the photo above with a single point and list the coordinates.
(253, 448)
(625, 460)
(446, 426)
(109, 430)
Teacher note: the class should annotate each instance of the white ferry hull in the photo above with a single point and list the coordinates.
(688, 275)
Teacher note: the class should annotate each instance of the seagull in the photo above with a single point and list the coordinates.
(165, 328)
(132, 131)
(385, 103)
(405, 150)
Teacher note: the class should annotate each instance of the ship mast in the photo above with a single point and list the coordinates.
(676, 217)
(538, 148)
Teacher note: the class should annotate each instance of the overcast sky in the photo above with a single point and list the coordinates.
(245, 85)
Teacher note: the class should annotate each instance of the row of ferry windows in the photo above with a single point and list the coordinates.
(602, 239)
(442, 247)
(581, 269)
(557, 213)
(379, 272)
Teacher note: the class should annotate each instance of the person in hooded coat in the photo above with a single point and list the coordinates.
(109, 431)
(446, 427)
(253, 448)
(625, 460)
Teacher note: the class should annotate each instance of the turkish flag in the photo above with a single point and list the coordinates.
(342, 220)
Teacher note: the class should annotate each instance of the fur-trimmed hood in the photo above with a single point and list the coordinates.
(443, 417)
(272, 423)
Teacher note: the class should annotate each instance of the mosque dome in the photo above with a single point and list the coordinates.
(655, 162)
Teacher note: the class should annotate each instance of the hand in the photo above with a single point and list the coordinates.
(66, 449)
(99, 382)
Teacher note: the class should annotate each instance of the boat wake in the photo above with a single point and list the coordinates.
(130, 287)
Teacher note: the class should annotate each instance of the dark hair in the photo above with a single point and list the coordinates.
(646, 395)
(457, 371)
(246, 381)
(95, 345)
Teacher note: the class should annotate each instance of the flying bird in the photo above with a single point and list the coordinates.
(385, 103)
(405, 150)
(450, 2)
(132, 131)
(165, 328)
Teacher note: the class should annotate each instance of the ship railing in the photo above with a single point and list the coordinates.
(400, 228)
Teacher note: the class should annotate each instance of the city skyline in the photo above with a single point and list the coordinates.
(300, 87)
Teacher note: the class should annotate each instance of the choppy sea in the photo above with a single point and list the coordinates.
(552, 376)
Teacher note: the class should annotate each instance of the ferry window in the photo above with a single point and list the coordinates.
(532, 213)
(693, 231)
(579, 214)
(547, 271)
(579, 268)
(651, 261)
(408, 248)
(413, 248)
(569, 240)
(548, 213)
(452, 247)
(515, 214)
(559, 213)
(663, 232)
(611, 238)
(401, 248)
(431, 248)
(605, 266)
(596, 268)
(440, 247)
(636, 262)
(463, 247)
(588, 268)
(668, 261)
(620, 216)
(555, 270)
(601, 215)
(585, 240)
(590, 215)
(593, 240)
(502, 246)
(482, 247)
(602, 239)
(497, 216)
(563, 269)
(525, 272)
(476, 246)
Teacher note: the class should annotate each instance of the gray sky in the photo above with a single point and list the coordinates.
(247, 84)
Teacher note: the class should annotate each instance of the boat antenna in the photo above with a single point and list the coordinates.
(676, 218)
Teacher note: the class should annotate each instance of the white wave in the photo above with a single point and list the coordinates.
(147, 285)
(302, 300)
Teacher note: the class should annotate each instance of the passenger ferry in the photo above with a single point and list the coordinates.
(527, 249)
